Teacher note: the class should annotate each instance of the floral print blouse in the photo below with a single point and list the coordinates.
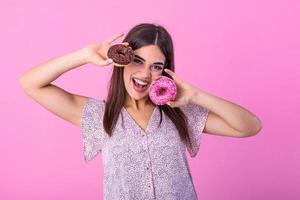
(143, 164)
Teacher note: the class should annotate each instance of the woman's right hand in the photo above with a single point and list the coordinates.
(97, 53)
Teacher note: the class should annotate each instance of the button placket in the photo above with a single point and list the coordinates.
(149, 184)
(143, 133)
(144, 144)
(148, 165)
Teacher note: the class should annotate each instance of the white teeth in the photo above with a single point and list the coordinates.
(140, 82)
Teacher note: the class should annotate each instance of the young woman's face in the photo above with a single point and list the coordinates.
(148, 64)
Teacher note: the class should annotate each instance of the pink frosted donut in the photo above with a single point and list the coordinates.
(162, 90)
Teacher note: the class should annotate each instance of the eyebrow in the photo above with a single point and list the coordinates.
(158, 63)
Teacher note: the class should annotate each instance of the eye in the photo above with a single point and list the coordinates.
(158, 68)
(137, 61)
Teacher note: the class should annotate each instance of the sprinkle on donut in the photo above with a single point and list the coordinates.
(162, 90)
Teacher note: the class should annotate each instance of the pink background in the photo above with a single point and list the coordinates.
(244, 51)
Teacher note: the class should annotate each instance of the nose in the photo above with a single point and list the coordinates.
(146, 71)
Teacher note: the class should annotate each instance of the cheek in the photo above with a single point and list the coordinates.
(156, 76)
(128, 71)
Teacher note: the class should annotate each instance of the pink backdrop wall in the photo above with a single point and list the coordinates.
(244, 51)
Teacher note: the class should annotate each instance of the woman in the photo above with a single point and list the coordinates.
(143, 145)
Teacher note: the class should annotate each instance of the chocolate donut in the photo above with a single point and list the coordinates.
(120, 54)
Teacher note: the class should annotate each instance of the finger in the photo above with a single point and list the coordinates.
(114, 37)
(171, 73)
(125, 43)
(172, 104)
(105, 62)
(109, 61)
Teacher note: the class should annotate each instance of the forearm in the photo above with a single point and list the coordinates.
(236, 116)
(45, 73)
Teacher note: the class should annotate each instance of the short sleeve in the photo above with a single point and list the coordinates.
(92, 127)
(196, 120)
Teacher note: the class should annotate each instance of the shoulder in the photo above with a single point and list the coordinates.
(92, 127)
(93, 109)
(94, 104)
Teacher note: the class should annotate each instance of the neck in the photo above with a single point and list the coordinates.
(138, 104)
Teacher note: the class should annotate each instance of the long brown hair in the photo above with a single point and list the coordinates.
(142, 35)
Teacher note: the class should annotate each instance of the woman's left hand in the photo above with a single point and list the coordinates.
(185, 91)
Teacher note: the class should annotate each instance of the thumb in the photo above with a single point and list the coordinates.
(109, 61)
(173, 104)
(105, 62)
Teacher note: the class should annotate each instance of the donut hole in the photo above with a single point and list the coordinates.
(121, 52)
(161, 91)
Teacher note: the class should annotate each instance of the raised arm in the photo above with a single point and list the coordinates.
(224, 118)
(37, 81)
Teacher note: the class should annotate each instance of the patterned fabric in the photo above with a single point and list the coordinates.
(143, 164)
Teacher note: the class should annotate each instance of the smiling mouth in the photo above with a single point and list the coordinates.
(140, 84)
